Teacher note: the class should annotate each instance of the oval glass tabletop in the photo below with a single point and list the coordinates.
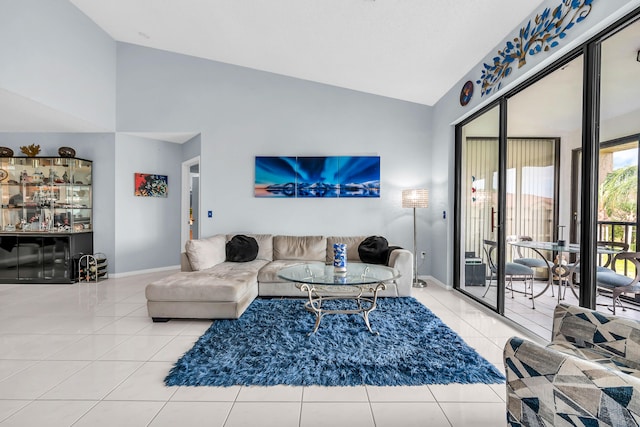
(357, 274)
(553, 246)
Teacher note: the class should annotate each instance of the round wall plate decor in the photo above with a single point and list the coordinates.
(466, 93)
(3, 174)
(66, 152)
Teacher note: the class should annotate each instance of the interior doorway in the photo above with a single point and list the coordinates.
(190, 205)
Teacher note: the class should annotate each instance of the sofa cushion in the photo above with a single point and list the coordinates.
(299, 248)
(269, 273)
(241, 248)
(205, 253)
(265, 245)
(352, 243)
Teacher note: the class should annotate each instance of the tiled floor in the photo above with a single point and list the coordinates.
(88, 355)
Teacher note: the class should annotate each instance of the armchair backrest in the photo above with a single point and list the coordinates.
(613, 335)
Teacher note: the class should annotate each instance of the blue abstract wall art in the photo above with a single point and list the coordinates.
(313, 177)
(540, 35)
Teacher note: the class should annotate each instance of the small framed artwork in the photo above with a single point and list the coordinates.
(150, 185)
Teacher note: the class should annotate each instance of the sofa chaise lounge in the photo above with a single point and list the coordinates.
(210, 287)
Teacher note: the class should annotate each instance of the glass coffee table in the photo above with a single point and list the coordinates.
(323, 283)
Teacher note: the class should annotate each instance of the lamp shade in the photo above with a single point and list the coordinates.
(418, 198)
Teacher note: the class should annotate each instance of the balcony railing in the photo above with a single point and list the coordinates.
(620, 231)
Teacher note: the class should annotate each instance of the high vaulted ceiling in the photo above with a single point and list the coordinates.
(413, 50)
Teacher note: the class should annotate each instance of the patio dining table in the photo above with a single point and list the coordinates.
(560, 268)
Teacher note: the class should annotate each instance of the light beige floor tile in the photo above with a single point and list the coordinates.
(146, 383)
(197, 327)
(125, 326)
(81, 325)
(140, 312)
(173, 327)
(36, 347)
(175, 348)
(94, 381)
(464, 393)
(335, 394)
(118, 309)
(336, 414)
(211, 414)
(264, 414)
(414, 414)
(137, 347)
(9, 407)
(500, 390)
(89, 348)
(278, 393)
(400, 394)
(37, 379)
(122, 414)
(465, 414)
(10, 367)
(50, 413)
(206, 394)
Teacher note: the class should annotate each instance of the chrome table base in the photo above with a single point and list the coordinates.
(314, 305)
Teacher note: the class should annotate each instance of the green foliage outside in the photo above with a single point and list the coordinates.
(618, 201)
(617, 194)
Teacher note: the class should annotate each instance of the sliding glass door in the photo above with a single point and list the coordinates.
(555, 159)
(479, 253)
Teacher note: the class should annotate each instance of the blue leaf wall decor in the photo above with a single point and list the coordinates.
(539, 35)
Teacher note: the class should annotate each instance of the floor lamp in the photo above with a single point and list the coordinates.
(415, 199)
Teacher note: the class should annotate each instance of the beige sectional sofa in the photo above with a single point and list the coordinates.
(209, 287)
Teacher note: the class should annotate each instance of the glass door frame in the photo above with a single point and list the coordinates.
(502, 197)
(590, 124)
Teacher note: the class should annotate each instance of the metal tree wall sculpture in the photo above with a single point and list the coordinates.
(540, 35)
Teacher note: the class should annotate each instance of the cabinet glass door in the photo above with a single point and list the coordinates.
(30, 258)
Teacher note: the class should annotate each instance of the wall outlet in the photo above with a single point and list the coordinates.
(423, 254)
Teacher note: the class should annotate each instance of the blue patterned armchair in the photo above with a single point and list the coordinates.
(589, 375)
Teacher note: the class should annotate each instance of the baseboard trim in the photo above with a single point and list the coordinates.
(431, 279)
(138, 272)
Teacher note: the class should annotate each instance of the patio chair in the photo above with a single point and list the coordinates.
(536, 262)
(512, 270)
(620, 284)
(587, 376)
(607, 267)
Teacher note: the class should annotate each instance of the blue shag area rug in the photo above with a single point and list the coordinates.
(269, 345)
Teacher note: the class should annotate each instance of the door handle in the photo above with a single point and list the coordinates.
(493, 219)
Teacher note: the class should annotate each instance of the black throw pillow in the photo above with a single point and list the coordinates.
(374, 250)
(241, 248)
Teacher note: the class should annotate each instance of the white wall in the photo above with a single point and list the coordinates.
(242, 113)
(54, 54)
(147, 229)
(448, 111)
